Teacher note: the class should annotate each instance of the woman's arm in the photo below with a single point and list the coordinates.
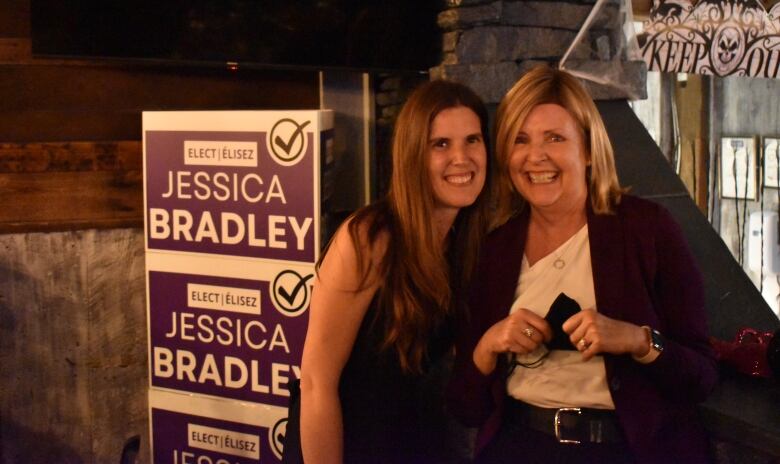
(339, 302)
(593, 333)
(686, 369)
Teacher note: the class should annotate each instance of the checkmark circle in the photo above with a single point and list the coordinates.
(290, 292)
(276, 437)
(287, 141)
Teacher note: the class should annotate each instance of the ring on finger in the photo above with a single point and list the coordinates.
(529, 332)
(583, 344)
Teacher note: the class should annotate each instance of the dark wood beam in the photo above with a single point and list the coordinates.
(70, 185)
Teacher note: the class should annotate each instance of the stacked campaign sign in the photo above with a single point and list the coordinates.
(191, 429)
(232, 201)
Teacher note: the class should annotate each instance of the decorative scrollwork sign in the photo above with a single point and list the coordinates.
(715, 37)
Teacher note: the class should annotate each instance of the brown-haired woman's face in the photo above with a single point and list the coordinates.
(548, 162)
(457, 159)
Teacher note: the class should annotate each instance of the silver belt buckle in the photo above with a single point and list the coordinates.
(558, 424)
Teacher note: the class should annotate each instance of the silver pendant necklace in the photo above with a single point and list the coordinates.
(559, 262)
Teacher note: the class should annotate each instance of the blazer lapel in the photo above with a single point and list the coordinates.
(508, 255)
(607, 248)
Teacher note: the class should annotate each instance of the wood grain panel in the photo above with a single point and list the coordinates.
(45, 101)
(15, 18)
(56, 171)
(44, 378)
(70, 156)
(142, 85)
(70, 185)
(45, 126)
(70, 200)
(115, 288)
(72, 346)
(15, 50)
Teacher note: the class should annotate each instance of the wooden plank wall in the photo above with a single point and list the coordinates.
(73, 349)
(73, 370)
(56, 185)
(15, 31)
(70, 132)
(73, 363)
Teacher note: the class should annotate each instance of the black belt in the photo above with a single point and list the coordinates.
(567, 425)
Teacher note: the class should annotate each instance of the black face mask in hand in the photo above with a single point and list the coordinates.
(561, 310)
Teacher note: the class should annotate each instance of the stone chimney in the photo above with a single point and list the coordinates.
(488, 45)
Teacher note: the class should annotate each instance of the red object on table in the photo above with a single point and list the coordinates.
(747, 353)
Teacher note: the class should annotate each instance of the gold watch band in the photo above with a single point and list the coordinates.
(653, 353)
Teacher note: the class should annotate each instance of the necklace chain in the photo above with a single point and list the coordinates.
(559, 262)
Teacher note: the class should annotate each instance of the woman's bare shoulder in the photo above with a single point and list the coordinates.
(355, 253)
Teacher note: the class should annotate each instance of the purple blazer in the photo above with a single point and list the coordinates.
(644, 273)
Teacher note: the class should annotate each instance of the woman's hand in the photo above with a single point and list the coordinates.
(521, 332)
(593, 333)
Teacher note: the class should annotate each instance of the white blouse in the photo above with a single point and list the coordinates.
(561, 379)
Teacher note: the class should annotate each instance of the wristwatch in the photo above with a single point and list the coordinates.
(656, 345)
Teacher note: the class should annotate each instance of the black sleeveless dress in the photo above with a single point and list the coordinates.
(390, 416)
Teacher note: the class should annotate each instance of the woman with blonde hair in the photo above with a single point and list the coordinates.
(588, 338)
(388, 291)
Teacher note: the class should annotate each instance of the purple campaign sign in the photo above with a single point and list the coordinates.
(224, 193)
(225, 337)
(188, 439)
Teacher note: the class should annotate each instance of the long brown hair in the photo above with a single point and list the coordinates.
(418, 282)
(539, 86)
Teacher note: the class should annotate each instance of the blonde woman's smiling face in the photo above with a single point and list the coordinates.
(549, 159)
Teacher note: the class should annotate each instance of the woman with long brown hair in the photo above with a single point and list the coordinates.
(387, 289)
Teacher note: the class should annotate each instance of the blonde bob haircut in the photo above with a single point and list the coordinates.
(543, 85)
